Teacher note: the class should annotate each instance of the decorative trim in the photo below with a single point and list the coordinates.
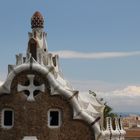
(96, 120)
(73, 95)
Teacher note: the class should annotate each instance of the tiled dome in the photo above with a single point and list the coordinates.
(37, 20)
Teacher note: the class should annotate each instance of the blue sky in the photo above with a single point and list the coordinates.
(91, 28)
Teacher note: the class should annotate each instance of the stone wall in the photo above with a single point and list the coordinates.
(31, 119)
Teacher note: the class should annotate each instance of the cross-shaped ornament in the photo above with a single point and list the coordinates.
(31, 88)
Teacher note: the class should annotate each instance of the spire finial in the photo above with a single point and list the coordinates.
(37, 20)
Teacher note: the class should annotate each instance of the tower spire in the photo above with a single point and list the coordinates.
(37, 44)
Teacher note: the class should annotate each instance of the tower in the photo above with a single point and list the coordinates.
(37, 44)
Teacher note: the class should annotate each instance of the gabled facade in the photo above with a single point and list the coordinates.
(37, 103)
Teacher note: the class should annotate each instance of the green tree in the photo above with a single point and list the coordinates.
(108, 112)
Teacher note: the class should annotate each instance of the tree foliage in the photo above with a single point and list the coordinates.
(108, 112)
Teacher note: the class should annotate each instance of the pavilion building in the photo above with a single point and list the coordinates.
(37, 103)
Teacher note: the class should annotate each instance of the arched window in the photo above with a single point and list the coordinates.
(7, 118)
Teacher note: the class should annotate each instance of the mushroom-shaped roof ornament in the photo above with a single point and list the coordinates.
(37, 20)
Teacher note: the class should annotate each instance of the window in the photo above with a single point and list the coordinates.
(7, 118)
(54, 118)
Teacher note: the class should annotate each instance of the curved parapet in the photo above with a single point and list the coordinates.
(70, 95)
(107, 131)
(117, 129)
(122, 131)
(114, 134)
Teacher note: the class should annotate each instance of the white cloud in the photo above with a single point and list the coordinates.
(125, 100)
(67, 54)
(94, 85)
(128, 91)
(121, 98)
